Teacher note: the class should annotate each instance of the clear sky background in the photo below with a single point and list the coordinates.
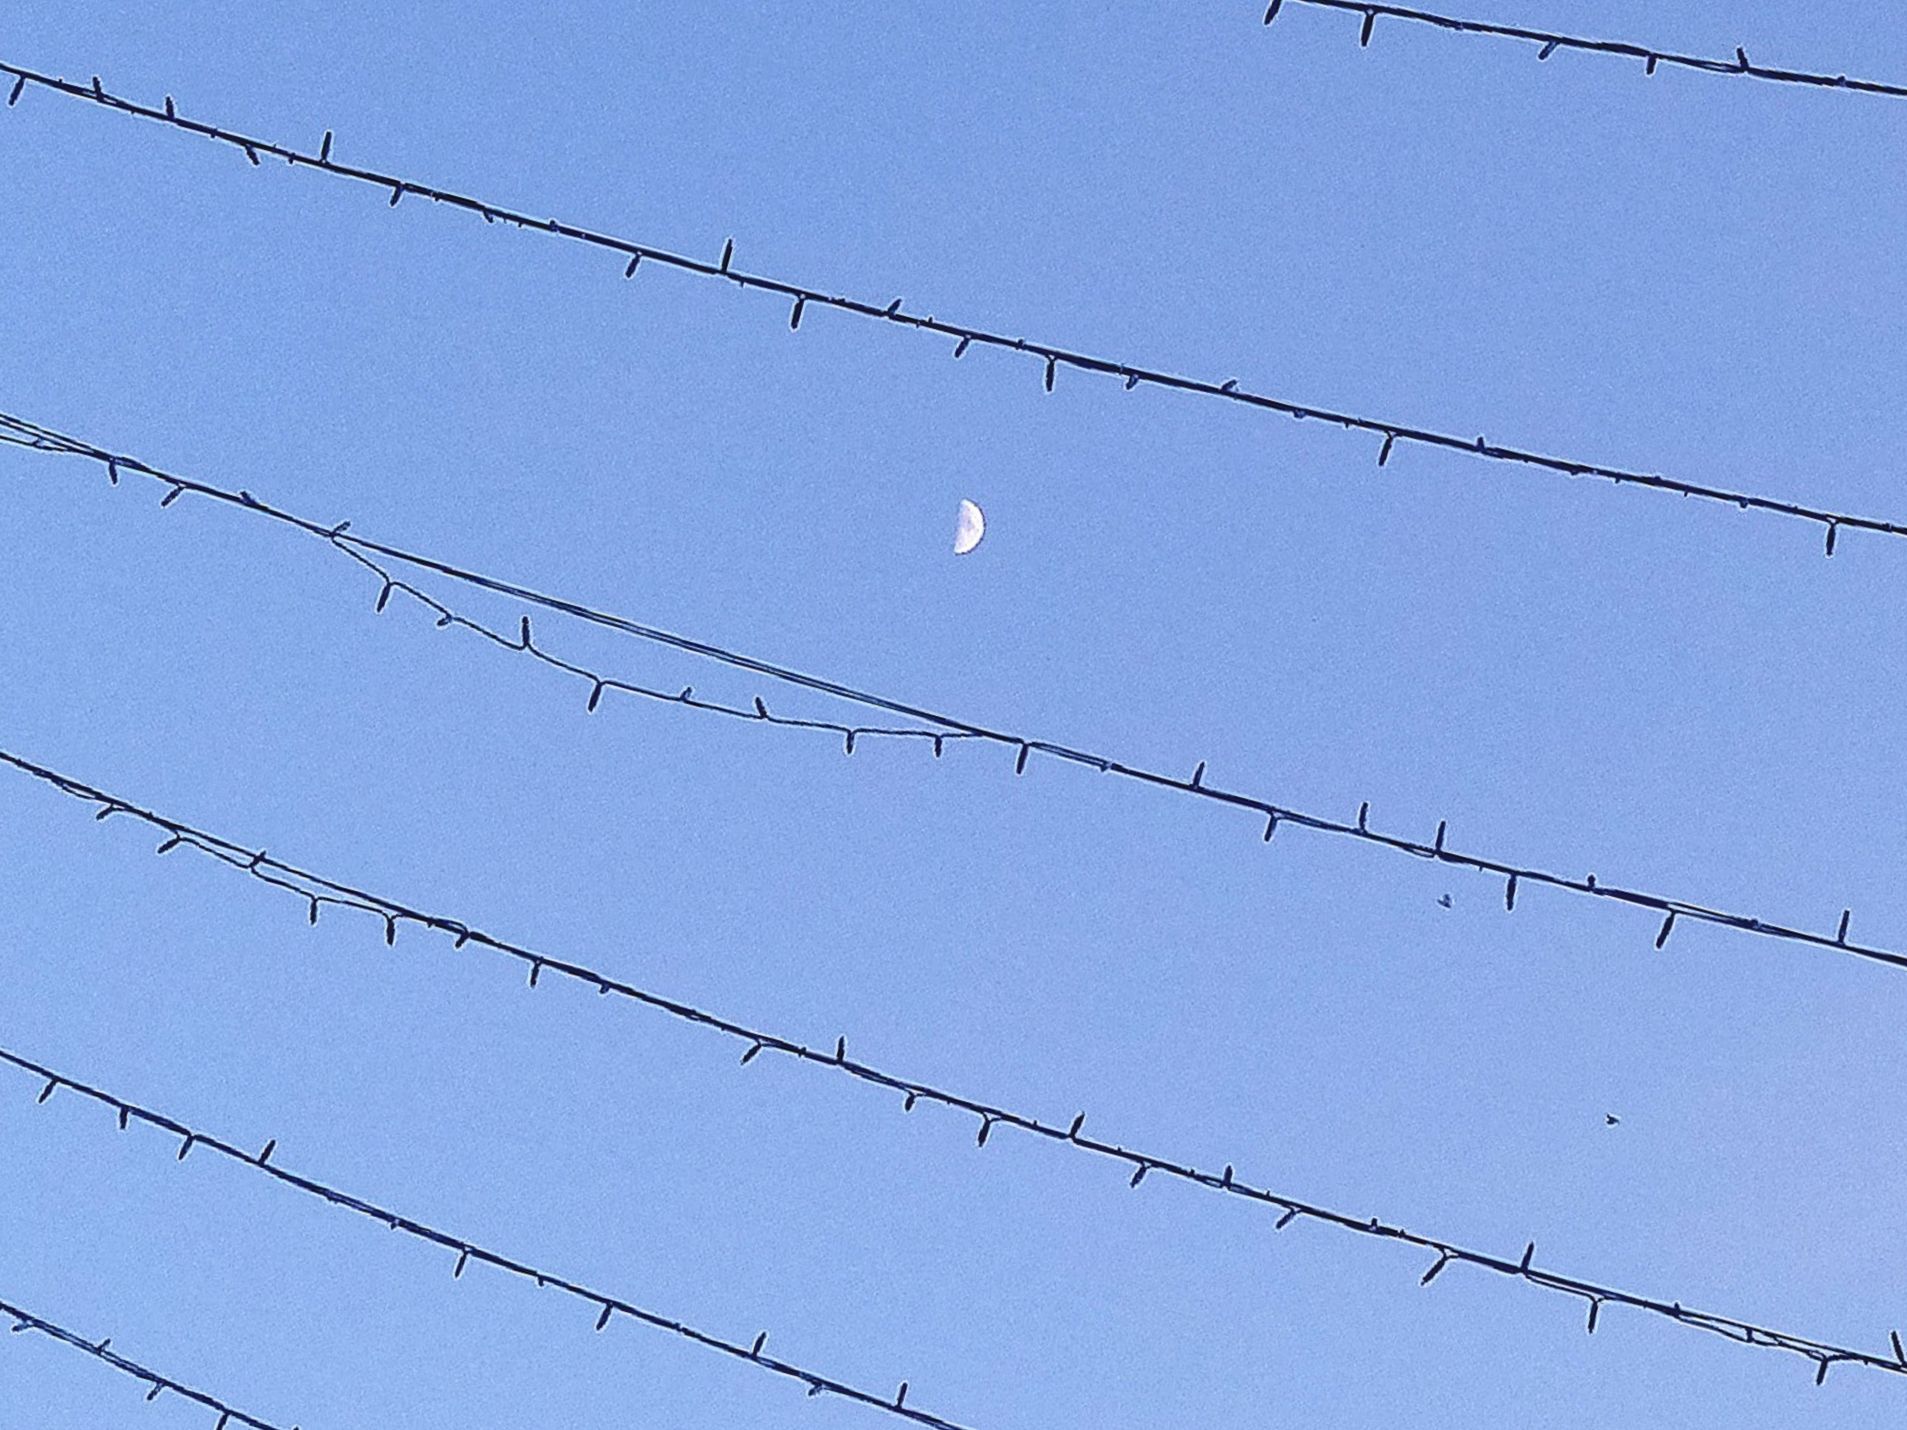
(1688, 274)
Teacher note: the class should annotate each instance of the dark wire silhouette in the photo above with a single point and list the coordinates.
(101, 1351)
(317, 892)
(1051, 358)
(1550, 42)
(607, 1306)
(362, 549)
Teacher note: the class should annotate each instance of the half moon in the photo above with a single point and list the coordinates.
(969, 527)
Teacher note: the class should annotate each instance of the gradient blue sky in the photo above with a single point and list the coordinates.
(1687, 274)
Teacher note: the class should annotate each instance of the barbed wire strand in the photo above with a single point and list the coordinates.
(317, 892)
(101, 1351)
(1549, 42)
(1516, 877)
(607, 1306)
(15, 431)
(1051, 357)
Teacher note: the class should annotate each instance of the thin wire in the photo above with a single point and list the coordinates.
(1551, 42)
(1052, 358)
(466, 1251)
(318, 891)
(100, 1351)
(1515, 876)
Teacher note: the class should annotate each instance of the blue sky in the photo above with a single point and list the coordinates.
(1686, 274)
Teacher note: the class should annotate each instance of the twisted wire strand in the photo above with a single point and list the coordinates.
(607, 1306)
(944, 727)
(101, 1351)
(17, 432)
(1549, 42)
(1049, 355)
(319, 891)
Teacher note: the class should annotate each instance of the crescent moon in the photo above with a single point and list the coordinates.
(969, 527)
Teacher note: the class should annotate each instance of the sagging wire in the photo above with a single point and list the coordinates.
(24, 434)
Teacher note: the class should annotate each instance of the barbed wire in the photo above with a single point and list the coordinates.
(318, 892)
(17, 432)
(1516, 877)
(1050, 356)
(1550, 42)
(607, 1306)
(101, 1351)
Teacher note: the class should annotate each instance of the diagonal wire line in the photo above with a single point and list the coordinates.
(1550, 42)
(1052, 357)
(1515, 876)
(156, 1383)
(607, 1306)
(318, 891)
